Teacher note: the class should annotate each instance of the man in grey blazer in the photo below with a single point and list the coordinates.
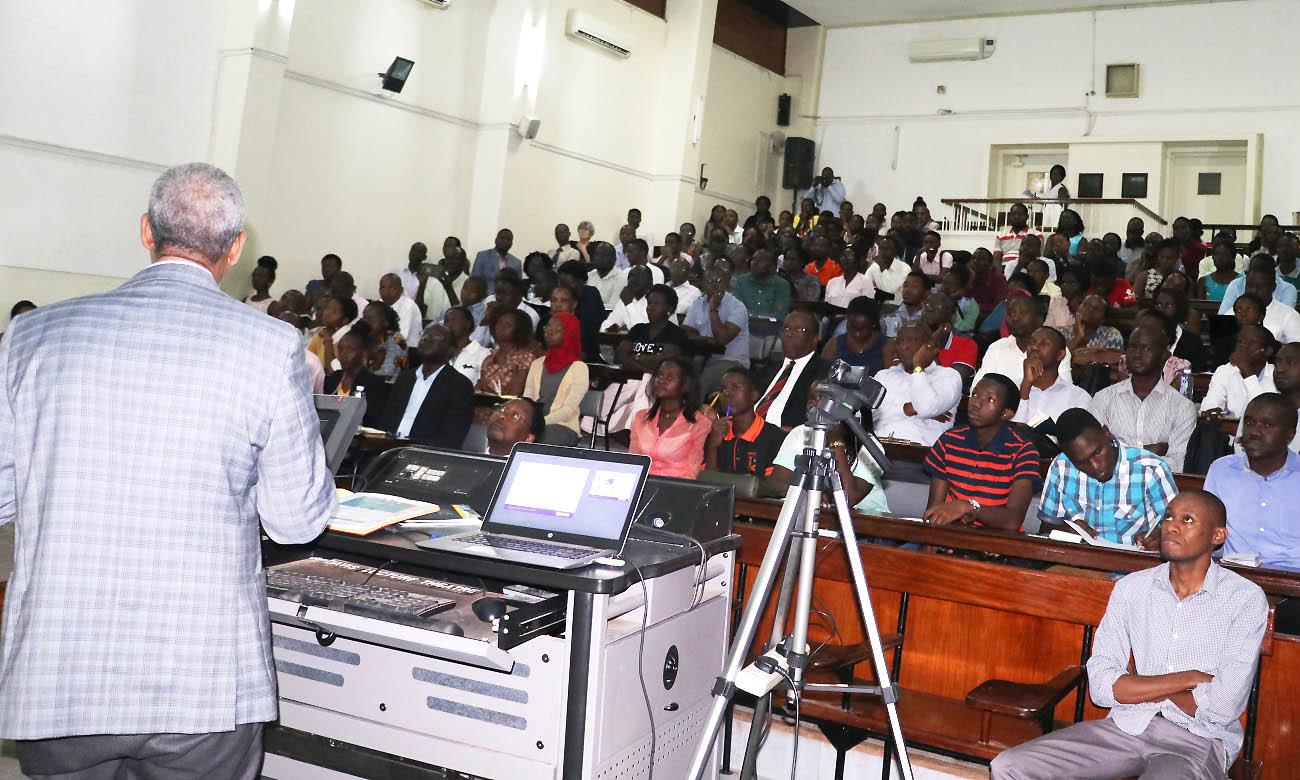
(144, 433)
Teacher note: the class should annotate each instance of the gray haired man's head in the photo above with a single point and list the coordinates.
(196, 211)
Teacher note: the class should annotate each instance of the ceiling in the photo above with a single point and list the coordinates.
(834, 13)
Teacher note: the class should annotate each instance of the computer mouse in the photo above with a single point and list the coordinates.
(489, 608)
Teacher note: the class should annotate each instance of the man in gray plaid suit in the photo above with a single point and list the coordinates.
(144, 433)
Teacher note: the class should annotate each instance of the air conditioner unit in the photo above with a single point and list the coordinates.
(587, 28)
(950, 49)
(437, 3)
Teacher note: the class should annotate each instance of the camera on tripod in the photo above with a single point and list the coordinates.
(847, 390)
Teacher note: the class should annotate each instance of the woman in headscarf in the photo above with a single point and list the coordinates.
(559, 380)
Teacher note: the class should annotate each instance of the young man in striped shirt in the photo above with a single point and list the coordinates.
(984, 473)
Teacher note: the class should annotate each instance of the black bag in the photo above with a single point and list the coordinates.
(1207, 444)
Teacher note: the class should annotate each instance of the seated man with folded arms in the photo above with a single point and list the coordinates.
(1044, 395)
(1118, 492)
(1144, 410)
(721, 320)
(741, 441)
(921, 396)
(1173, 659)
(984, 473)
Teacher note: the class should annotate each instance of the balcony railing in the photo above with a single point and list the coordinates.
(1099, 215)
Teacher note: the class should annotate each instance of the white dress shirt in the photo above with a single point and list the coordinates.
(1231, 392)
(609, 286)
(409, 323)
(686, 295)
(1005, 357)
(1282, 321)
(736, 236)
(647, 236)
(627, 314)
(469, 361)
(483, 334)
(839, 292)
(656, 273)
(931, 393)
(1165, 415)
(317, 373)
(890, 281)
(778, 404)
(410, 282)
(418, 393)
(563, 254)
(1049, 403)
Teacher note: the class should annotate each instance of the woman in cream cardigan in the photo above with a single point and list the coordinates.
(558, 380)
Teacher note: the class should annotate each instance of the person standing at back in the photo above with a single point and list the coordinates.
(136, 631)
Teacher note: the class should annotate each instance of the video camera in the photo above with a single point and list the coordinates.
(846, 390)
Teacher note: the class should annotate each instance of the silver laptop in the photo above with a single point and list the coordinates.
(558, 507)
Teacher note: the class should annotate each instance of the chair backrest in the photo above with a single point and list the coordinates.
(590, 404)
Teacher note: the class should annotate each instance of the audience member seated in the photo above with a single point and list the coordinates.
(644, 347)
(716, 248)
(803, 286)
(1074, 284)
(1167, 262)
(861, 343)
(565, 251)
(604, 277)
(673, 430)
(446, 287)
(860, 475)
(1031, 254)
(1214, 285)
(1186, 324)
(519, 420)
(472, 296)
(984, 473)
(1090, 340)
(504, 371)
(1280, 319)
(911, 308)
(1007, 246)
(629, 311)
(987, 285)
(955, 350)
(491, 261)
(679, 279)
(589, 308)
(852, 283)
(921, 396)
(541, 282)
(1106, 282)
(1163, 627)
(1285, 293)
(1246, 374)
(509, 296)
(344, 286)
(1115, 491)
(1259, 485)
(741, 442)
(559, 380)
(956, 280)
(1288, 270)
(762, 209)
(930, 261)
(785, 385)
(638, 254)
(392, 292)
(431, 404)
(721, 320)
(353, 378)
(1044, 395)
(1144, 410)
(822, 266)
(1007, 356)
(1131, 248)
(262, 277)
(467, 354)
(1286, 378)
(411, 279)
(330, 265)
(763, 292)
(888, 273)
(995, 324)
(389, 355)
(337, 316)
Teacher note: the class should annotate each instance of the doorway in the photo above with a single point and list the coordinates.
(1206, 181)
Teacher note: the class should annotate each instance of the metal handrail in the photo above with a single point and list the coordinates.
(1085, 201)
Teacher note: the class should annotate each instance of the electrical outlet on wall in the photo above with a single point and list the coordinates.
(941, 89)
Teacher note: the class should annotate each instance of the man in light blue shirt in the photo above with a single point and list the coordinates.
(1285, 293)
(723, 320)
(827, 192)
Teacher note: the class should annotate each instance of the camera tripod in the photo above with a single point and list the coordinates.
(786, 656)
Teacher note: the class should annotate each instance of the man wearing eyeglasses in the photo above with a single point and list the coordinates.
(785, 396)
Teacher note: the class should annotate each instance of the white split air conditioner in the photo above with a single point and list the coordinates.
(587, 28)
(950, 49)
(437, 3)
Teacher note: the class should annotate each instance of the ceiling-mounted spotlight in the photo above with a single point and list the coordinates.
(397, 74)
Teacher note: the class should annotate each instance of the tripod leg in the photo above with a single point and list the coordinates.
(724, 686)
(869, 620)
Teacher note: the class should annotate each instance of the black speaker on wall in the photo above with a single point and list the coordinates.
(783, 110)
(798, 170)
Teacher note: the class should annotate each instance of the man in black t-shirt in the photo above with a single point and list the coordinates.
(651, 342)
(741, 442)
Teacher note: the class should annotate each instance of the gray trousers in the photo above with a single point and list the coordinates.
(228, 755)
(1100, 750)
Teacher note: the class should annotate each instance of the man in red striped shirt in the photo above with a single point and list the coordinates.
(984, 473)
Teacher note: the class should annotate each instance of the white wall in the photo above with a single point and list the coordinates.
(1206, 69)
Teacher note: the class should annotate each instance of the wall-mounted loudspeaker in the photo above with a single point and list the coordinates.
(783, 110)
(397, 74)
(798, 169)
(528, 127)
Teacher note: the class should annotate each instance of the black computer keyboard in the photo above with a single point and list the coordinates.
(354, 597)
(528, 545)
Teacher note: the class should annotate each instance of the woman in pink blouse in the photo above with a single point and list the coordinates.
(672, 431)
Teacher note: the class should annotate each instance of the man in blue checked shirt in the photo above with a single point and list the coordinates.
(1173, 659)
(1120, 492)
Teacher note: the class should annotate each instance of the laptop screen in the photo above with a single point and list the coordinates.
(568, 494)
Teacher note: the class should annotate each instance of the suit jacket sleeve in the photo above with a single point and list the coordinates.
(8, 478)
(796, 406)
(395, 405)
(294, 491)
(454, 410)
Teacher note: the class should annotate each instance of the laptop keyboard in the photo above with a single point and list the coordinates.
(528, 545)
(362, 598)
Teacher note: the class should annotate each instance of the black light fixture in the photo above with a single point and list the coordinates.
(397, 74)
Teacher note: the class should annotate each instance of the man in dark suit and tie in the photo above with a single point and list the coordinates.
(785, 386)
(145, 434)
(490, 261)
(431, 404)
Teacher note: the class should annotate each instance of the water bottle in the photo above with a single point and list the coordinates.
(359, 391)
(1185, 382)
